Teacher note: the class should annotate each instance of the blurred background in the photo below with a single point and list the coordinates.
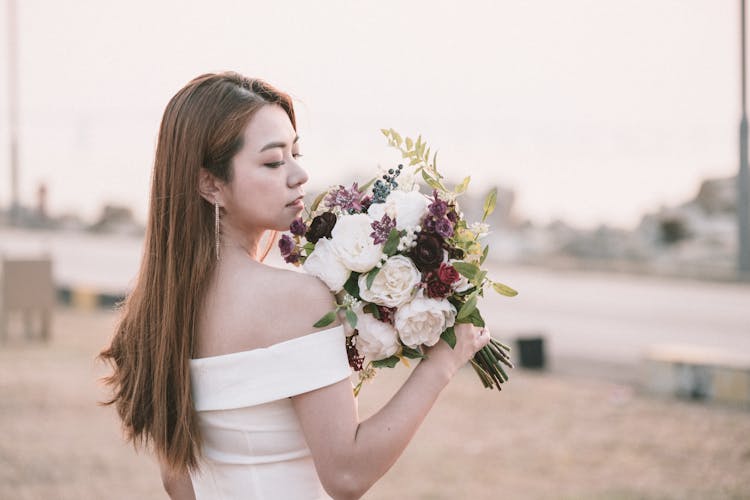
(612, 131)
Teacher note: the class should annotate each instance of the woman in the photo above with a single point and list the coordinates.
(216, 364)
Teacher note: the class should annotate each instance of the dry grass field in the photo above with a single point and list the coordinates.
(544, 436)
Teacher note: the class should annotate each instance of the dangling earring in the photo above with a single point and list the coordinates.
(217, 225)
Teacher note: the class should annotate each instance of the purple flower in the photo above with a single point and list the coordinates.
(438, 208)
(298, 227)
(348, 199)
(443, 227)
(292, 258)
(381, 229)
(286, 245)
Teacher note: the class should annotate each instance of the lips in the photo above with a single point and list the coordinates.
(296, 201)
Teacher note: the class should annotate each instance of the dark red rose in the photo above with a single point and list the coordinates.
(436, 289)
(428, 252)
(321, 227)
(386, 314)
(448, 274)
(355, 360)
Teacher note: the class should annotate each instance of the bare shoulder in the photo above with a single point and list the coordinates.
(305, 291)
(298, 300)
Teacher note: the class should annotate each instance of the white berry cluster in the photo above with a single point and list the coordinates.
(349, 301)
(409, 239)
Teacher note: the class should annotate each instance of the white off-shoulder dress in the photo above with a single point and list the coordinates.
(253, 445)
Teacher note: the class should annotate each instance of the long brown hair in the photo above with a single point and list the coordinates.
(154, 340)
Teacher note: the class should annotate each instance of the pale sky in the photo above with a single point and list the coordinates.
(594, 111)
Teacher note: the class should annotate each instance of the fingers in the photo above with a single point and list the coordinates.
(483, 337)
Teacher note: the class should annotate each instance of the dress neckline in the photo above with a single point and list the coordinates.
(228, 355)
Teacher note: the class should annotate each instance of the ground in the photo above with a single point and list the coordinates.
(546, 435)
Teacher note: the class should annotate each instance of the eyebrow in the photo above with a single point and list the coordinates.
(277, 144)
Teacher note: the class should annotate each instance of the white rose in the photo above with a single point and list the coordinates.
(376, 339)
(393, 285)
(422, 320)
(325, 264)
(353, 244)
(408, 207)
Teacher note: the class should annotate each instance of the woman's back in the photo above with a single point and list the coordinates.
(252, 443)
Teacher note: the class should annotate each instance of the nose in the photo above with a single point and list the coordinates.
(297, 175)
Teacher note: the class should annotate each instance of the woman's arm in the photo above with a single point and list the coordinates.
(350, 456)
(177, 486)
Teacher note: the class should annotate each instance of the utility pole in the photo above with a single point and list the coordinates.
(743, 178)
(15, 206)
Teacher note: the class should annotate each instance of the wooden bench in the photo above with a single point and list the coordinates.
(698, 373)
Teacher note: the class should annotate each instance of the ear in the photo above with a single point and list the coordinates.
(209, 187)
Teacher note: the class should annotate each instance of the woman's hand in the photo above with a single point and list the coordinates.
(469, 340)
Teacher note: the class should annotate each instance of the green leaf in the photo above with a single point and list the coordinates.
(385, 132)
(504, 290)
(396, 137)
(409, 143)
(484, 254)
(372, 309)
(414, 161)
(326, 320)
(351, 317)
(434, 161)
(426, 156)
(391, 243)
(386, 363)
(352, 285)
(371, 276)
(480, 278)
(410, 353)
(432, 182)
(317, 201)
(475, 318)
(461, 188)
(466, 269)
(469, 306)
(489, 204)
(308, 247)
(449, 335)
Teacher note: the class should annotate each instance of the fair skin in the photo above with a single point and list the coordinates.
(349, 455)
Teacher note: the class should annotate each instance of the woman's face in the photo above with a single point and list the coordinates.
(266, 187)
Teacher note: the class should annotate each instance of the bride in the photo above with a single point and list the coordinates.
(216, 365)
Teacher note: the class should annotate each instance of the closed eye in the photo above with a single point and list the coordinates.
(280, 163)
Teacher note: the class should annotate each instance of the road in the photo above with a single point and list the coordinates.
(614, 318)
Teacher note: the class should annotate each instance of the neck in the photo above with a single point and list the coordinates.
(240, 243)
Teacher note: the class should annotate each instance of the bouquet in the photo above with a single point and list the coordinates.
(405, 267)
